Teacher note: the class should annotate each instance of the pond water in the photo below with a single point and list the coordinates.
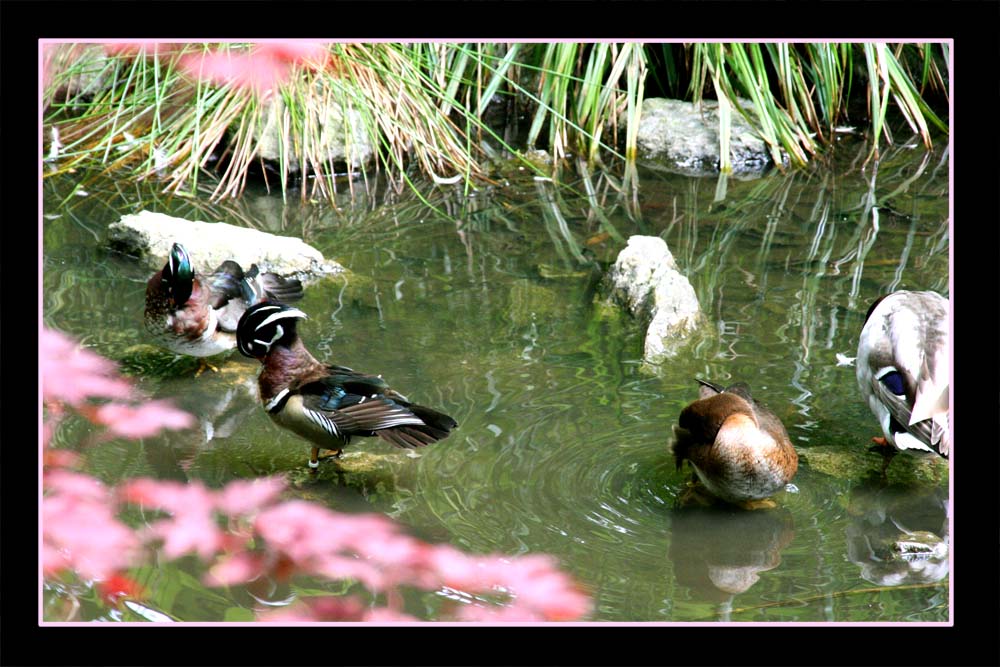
(487, 306)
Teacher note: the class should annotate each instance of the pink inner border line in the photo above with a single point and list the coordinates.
(42, 43)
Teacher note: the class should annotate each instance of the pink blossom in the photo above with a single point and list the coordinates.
(237, 568)
(322, 609)
(312, 54)
(302, 530)
(142, 421)
(385, 615)
(80, 486)
(242, 70)
(173, 497)
(457, 569)
(389, 550)
(479, 613)
(60, 458)
(72, 374)
(244, 497)
(79, 528)
(336, 567)
(537, 584)
(188, 533)
(192, 527)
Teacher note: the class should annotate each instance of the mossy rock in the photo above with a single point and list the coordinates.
(858, 463)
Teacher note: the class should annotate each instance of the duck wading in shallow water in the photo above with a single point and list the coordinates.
(197, 315)
(327, 404)
(903, 370)
(738, 448)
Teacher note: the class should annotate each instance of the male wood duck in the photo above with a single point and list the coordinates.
(197, 315)
(903, 367)
(328, 404)
(737, 447)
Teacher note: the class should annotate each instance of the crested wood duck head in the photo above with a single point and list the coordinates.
(903, 369)
(196, 314)
(328, 404)
(738, 448)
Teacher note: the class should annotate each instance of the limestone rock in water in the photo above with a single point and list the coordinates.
(646, 281)
(149, 236)
(684, 137)
(342, 135)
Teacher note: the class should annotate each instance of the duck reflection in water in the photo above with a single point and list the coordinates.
(719, 554)
(899, 534)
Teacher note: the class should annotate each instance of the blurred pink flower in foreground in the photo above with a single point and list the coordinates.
(297, 537)
(261, 70)
(245, 531)
(71, 374)
(80, 531)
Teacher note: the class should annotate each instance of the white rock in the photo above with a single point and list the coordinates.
(340, 135)
(150, 235)
(646, 281)
(685, 137)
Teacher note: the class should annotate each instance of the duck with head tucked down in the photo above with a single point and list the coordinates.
(328, 404)
(738, 448)
(197, 315)
(903, 369)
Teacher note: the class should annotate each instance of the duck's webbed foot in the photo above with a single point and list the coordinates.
(694, 494)
(202, 365)
(315, 457)
(760, 504)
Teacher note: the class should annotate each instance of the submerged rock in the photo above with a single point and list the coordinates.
(684, 137)
(149, 236)
(645, 280)
(899, 534)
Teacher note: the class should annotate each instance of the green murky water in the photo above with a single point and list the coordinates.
(563, 440)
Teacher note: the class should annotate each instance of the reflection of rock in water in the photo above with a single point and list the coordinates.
(899, 535)
(718, 554)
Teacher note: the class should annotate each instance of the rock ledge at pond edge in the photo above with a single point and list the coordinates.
(149, 236)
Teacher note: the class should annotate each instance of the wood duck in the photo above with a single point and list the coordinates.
(737, 447)
(903, 370)
(197, 315)
(328, 404)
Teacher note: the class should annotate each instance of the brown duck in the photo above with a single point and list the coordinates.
(737, 447)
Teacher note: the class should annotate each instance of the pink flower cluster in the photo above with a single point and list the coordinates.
(71, 375)
(261, 69)
(80, 531)
(245, 531)
(300, 537)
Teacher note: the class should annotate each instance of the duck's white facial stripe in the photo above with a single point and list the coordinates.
(288, 313)
(277, 399)
(279, 331)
